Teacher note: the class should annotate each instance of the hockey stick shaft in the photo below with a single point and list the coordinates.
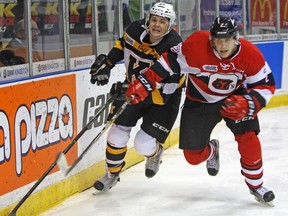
(108, 124)
(14, 210)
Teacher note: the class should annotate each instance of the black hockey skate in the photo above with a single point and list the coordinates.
(263, 195)
(213, 164)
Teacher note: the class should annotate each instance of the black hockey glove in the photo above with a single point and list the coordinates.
(119, 89)
(100, 70)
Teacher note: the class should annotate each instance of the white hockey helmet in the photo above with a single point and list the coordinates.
(164, 10)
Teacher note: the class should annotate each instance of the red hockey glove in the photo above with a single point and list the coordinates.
(237, 107)
(140, 88)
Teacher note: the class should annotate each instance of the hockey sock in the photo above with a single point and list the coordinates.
(115, 158)
(251, 158)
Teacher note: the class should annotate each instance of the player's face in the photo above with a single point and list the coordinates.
(158, 26)
(224, 46)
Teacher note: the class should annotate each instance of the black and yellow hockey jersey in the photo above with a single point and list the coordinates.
(139, 54)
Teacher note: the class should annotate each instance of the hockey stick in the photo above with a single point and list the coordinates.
(106, 105)
(62, 161)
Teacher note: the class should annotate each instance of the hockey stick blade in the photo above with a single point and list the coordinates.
(62, 163)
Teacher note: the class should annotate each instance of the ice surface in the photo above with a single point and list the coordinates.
(182, 189)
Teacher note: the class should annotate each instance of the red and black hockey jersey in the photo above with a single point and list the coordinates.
(211, 78)
(138, 55)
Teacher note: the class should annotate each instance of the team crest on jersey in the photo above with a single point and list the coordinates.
(222, 83)
(175, 49)
(212, 68)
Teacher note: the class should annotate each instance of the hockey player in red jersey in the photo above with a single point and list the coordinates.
(228, 78)
(141, 45)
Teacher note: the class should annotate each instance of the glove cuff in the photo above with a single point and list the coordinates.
(148, 84)
(251, 105)
(110, 63)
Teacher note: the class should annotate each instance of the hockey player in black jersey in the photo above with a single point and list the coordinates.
(141, 45)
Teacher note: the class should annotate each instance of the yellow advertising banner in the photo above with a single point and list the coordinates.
(263, 13)
(283, 13)
(37, 121)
